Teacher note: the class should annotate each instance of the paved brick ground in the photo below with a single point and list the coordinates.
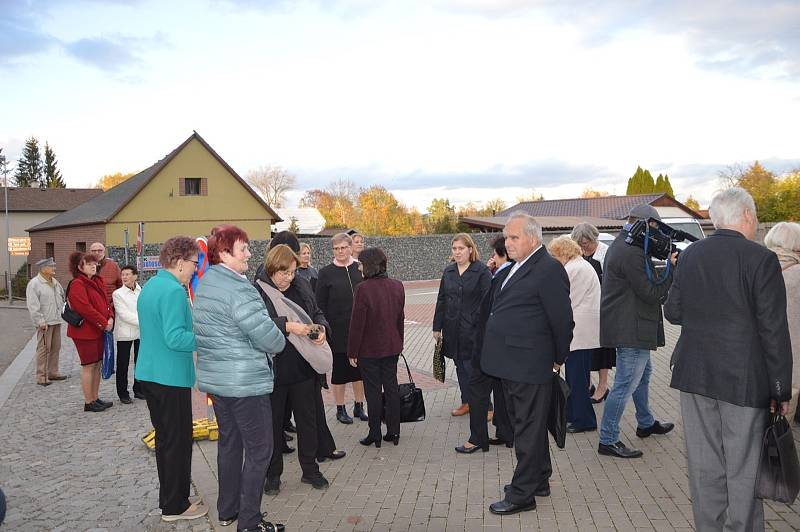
(66, 470)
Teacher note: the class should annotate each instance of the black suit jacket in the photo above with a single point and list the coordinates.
(458, 307)
(529, 327)
(729, 297)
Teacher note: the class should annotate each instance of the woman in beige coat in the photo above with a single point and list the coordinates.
(784, 240)
(584, 294)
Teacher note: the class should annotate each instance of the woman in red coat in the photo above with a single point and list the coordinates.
(376, 341)
(86, 295)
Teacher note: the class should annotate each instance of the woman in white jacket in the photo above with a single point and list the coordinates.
(126, 331)
(584, 294)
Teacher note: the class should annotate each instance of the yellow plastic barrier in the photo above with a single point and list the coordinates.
(202, 429)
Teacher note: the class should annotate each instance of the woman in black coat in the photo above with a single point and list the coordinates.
(295, 379)
(464, 284)
(336, 287)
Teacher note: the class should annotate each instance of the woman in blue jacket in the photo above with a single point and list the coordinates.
(165, 371)
(235, 342)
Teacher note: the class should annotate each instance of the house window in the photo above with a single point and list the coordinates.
(49, 249)
(80, 246)
(191, 186)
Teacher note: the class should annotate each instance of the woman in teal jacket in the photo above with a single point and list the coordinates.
(166, 372)
(235, 342)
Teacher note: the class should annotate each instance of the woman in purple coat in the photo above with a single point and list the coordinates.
(376, 341)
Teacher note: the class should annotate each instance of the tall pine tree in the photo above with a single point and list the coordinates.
(668, 186)
(659, 184)
(52, 174)
(648, 185)
(29, 166)
(635, 182)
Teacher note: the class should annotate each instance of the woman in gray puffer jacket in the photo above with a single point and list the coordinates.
(235, 342)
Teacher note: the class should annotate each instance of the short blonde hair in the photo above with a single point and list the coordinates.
(564, 248)
(304, 245)
(341, 237)
(465, 239)
(784, 235)
(280, 258)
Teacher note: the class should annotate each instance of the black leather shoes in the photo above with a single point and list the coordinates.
(286, 449)
(318, 481)
(618, 450)
(125, 400)
(572, 429)
(272, 486)
(225, 521)
(104, 404)
(656, 428)
(505, 507)
(92, 407)
(394, 438)
(290, 428)
(463, 449)
(369, 440)
(335, 455)
(287, 437)
(499, 441)
(137, 395)
(541, 491)
(359, 412)
(342, 416)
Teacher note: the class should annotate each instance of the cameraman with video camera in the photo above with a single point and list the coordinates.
(631, 321)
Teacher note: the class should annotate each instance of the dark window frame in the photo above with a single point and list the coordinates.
(192, 186)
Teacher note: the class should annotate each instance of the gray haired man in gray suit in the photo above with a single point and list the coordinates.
(732, 363)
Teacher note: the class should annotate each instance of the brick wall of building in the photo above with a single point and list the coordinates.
(64, 241)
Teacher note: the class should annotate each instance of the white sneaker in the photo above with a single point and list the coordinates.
(193, 512)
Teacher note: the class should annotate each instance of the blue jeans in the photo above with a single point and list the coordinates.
(632, 378)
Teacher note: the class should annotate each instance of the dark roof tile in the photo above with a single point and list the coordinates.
(34, 199)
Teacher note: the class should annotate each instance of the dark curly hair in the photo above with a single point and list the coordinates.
(177, 247)
(78, 259)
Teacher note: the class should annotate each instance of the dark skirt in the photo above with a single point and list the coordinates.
(343, 372)
(89, 351)
(604, 358)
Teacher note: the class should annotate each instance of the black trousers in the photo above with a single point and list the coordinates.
(380, 374)
(325, 442)
(123, 361)
(245, 431)
(481, 386)
(302, 396)
(528, 406)
(171, 414)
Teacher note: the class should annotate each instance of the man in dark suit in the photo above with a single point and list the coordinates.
(631, 322)
(527, 337)
(732, 362)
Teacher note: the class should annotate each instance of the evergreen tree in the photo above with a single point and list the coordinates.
(668, 186)
(648, 184)
(635, 182)
(52, 174)
(29, 166)
(659, 184)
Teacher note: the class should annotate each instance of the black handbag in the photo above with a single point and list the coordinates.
(69, 315)
(557, 416)
(412, 404)
(778, 475)
(438, 361)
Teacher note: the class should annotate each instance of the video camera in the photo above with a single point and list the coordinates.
(656, 237)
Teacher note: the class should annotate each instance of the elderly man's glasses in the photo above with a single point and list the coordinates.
(341, 248)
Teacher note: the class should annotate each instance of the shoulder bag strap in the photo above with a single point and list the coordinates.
(347, 271)
(410, 379)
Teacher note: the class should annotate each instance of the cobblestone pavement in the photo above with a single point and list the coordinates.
(63, 469)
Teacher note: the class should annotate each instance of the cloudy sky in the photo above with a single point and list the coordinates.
(465, 99)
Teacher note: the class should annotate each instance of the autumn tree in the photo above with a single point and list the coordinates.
(441, 216)
(531, 196)
(337, 203)
(786, 204)
(692, 203)
(589, 192)
(776, 199)
(111, 180)
(52, 175)
(493, 206)
(381, 214)
(272, 182)
(29, 166)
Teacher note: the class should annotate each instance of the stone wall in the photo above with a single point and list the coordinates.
(410, 258)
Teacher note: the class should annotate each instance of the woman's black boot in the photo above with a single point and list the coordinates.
(341, 415)
(358, 411)
(369, 440)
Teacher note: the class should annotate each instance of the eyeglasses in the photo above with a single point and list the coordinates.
(194, 261)
(287, 273)
(341, 248)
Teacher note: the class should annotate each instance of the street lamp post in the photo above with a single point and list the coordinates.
(4, 169)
